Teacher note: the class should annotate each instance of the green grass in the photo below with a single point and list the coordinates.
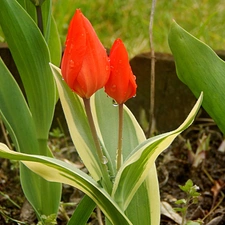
(129, 20)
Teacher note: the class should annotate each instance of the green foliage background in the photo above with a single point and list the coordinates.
(129, 20)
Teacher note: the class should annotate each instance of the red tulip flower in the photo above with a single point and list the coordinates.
(85, 65)
(121, 84)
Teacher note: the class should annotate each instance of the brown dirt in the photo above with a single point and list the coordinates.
(175, 167)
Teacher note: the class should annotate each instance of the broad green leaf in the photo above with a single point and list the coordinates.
(43, 195)
(200, 69)
(78, 125)
(14, 112)
(58, 171)
(146, 201)
(31, 55)
(136, 167)
(29, 7)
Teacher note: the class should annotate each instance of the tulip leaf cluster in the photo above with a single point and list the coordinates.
(134, 182)
(27, 113)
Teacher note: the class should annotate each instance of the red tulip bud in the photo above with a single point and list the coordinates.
(121, 84)
(85, 65)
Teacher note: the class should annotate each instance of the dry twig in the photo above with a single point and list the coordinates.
(152, 76)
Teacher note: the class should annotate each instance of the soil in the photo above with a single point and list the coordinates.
(206, 169)
(175, 166)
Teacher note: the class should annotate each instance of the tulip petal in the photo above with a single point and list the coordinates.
(121, 85)
(94, 73)
(75, 49)
(85, 65)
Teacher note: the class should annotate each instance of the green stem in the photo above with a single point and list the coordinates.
(39, 18)
(93, 130)
(120, 137)
(101, 157)
(184, 214)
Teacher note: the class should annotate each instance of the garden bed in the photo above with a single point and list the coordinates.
(175, 167)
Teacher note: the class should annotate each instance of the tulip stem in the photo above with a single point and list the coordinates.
(93, 129)
(120, 137)
(103, 160)
(39, 18)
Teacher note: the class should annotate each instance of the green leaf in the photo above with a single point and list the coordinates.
(189, 222)
(16, 114)
(19, 123)
(181, 201)
(44, 196)
(200, 69)
(82, 212)
(187, 187)
(58, 171)
(29, 7)
(31, 56)
(136, 167)
(146, 201)
(54, 44)
(183, 209)
(27, 125)
(46, 11)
